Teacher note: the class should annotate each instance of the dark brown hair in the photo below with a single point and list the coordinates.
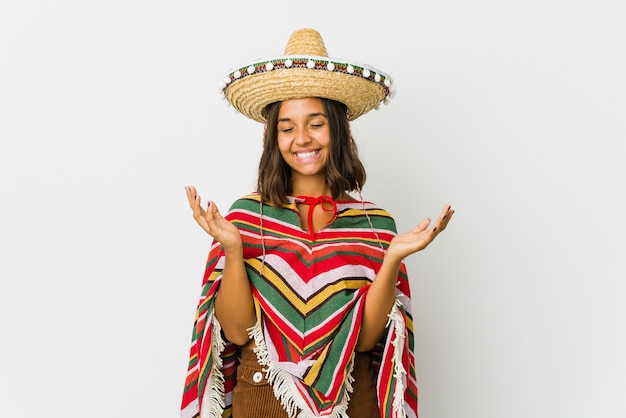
(343, 172)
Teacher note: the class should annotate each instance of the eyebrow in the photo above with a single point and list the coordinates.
(310, 115)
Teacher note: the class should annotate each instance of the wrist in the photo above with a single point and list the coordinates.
(392, 259)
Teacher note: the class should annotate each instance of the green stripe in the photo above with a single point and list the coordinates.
(335, 353)
(204, 376)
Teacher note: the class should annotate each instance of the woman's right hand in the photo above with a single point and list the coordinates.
(234, 304)
(213, 222)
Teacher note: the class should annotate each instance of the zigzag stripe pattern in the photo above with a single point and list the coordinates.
(309, 290)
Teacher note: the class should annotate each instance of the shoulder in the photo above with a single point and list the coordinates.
(250, 201)
(251, 205)
(365, 211)
(357, 207)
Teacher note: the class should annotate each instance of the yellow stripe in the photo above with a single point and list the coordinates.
(409, 322)
(314, 371)
(359, 212)
(204, 366)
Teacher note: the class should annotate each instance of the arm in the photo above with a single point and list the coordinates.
(382, 292)
(234, 305)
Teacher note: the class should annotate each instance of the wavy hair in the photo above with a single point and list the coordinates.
(344, 171)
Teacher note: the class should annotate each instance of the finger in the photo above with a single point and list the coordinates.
(216, 223)
(209, 214)
(190, 190)
(444, 218)
(445, 211)
(196, 206)
(212, 207)
(212, 213)
(191, 195)
(422, 226)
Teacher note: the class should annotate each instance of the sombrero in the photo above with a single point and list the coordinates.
(305, 70)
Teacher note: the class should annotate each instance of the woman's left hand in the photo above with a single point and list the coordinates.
(416, 240)
(382, 292)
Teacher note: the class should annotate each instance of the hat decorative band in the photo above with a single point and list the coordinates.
(312, 63)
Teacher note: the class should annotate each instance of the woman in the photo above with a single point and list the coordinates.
(305, 306)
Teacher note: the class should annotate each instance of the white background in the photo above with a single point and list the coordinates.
(512, 111)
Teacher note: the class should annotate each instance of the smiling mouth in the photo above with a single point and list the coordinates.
(306, 155)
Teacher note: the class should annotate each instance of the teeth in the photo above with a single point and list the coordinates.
(306, 154)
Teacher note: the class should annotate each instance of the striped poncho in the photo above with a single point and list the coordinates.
(309, 292)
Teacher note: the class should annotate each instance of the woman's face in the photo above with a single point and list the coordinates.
(304, 136)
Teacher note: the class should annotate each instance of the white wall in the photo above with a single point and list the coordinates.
(511, 111)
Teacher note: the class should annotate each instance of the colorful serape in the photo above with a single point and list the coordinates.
(309, 291)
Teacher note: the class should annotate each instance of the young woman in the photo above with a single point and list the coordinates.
(305, 308)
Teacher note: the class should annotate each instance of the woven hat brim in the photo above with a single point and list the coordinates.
(252, 94)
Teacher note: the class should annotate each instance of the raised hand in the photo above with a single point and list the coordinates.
(419, 238)
(213, 222)
(382, 293)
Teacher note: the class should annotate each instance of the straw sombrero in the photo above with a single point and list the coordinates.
(305, 70)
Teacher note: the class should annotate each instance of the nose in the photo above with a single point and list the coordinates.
(302, 137)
